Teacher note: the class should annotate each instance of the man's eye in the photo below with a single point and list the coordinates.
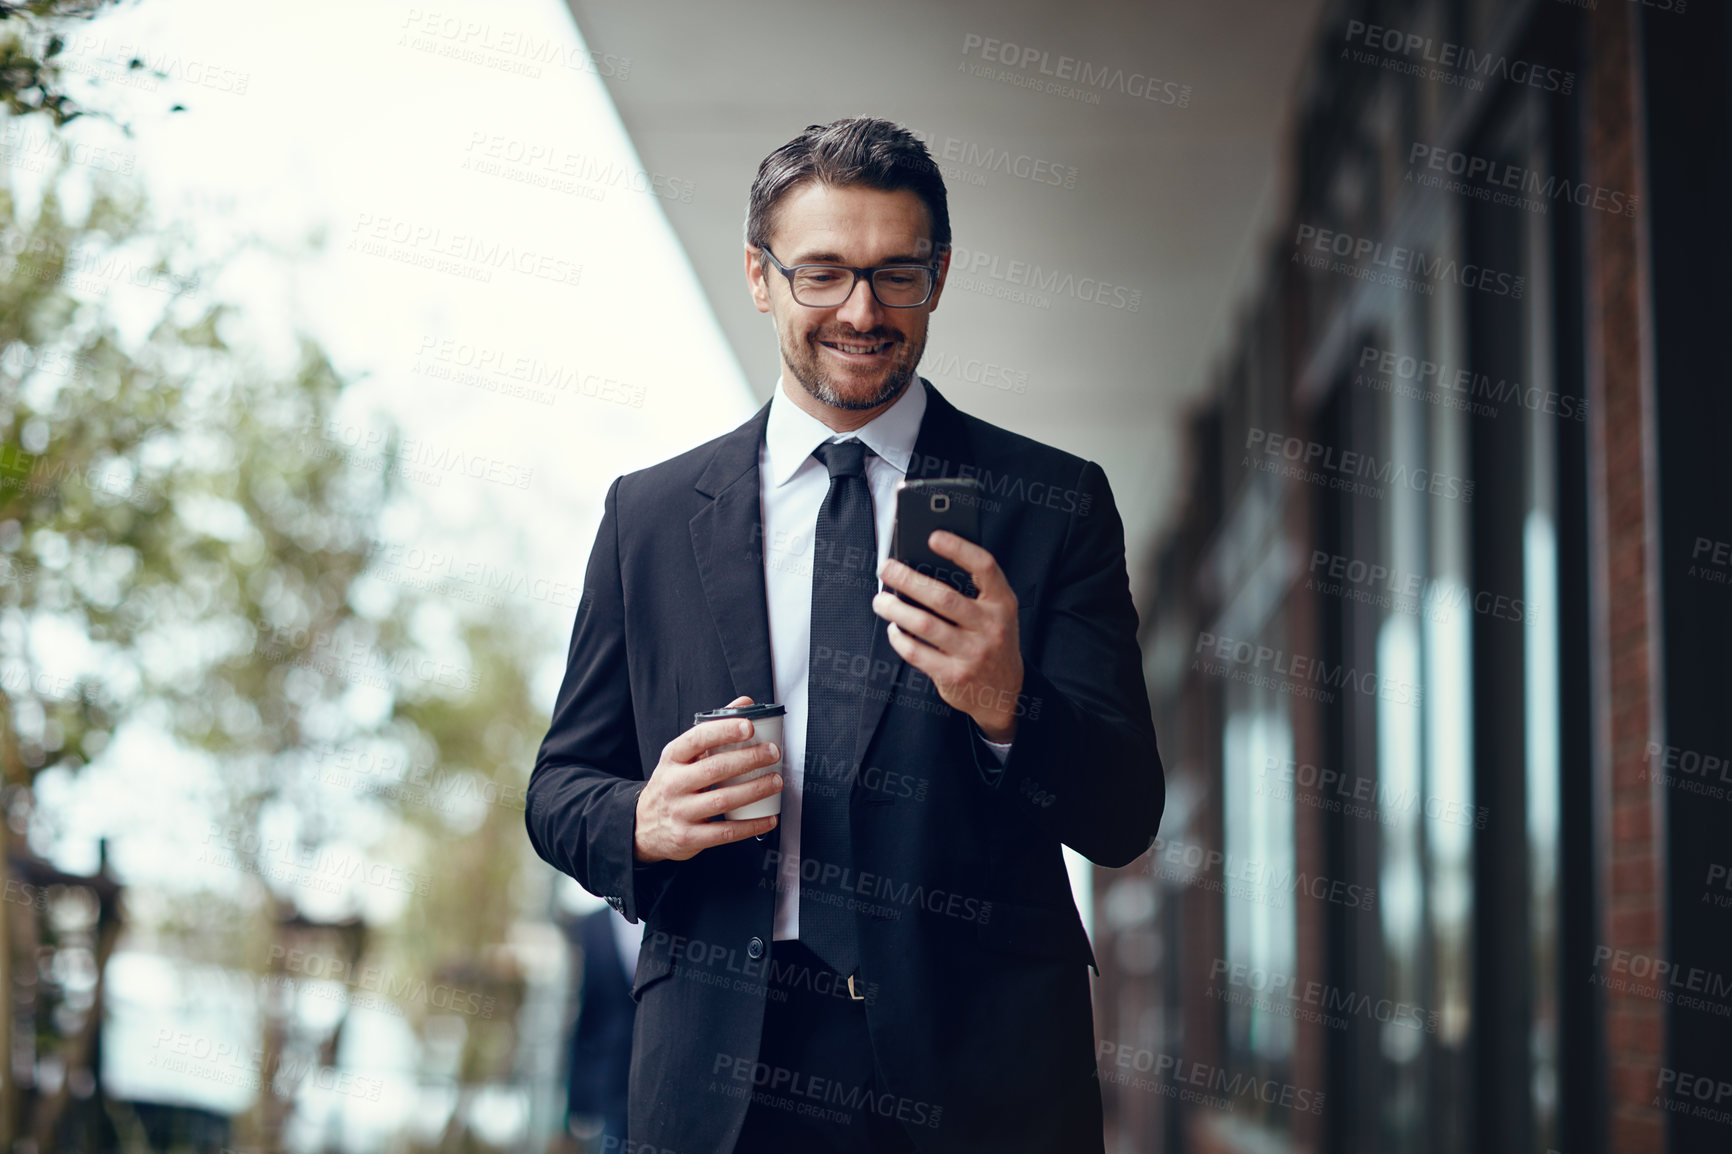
(898, 279)
(820, 276)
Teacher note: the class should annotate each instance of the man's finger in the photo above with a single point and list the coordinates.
(925, 658)
(935, 595)
(699, 739)
(914, 621)
(702, 749)
(972, 559)
(721, 800)
(713, 833)
(721, 766)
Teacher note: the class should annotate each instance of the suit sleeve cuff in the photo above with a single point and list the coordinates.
(989, 756)
(649, 880)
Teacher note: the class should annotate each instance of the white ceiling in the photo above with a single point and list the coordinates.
(1167, 201)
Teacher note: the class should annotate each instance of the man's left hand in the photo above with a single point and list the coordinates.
(976, 663)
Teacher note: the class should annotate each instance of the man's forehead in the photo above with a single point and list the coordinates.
(821, 222)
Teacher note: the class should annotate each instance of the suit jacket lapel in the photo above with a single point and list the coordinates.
(728, 545)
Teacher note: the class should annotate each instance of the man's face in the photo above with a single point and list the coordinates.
(857, 356)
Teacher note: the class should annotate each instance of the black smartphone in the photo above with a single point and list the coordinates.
(927, 504)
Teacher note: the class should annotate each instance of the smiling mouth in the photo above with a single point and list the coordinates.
(859, 348)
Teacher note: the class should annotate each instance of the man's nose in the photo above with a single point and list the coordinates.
(861, 309)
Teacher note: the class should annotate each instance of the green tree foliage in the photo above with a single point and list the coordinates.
(184, 546)
(32, 36)
(157, 500)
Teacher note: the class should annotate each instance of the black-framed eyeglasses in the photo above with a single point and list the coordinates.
(822, 286)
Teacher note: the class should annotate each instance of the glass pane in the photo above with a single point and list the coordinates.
(1541, 681)
(901, 285)
(821, 284)
(1258, 827)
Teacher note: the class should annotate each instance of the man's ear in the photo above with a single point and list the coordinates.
(938, 286)
(755, 282)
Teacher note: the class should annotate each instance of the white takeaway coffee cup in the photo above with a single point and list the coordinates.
(766, 726)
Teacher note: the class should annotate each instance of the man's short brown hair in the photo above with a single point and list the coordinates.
(859, 152)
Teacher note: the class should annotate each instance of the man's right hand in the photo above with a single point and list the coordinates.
(674, 809)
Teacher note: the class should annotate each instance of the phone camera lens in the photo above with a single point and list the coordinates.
(940, 502)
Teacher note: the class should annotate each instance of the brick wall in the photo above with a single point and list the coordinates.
(1622, 501)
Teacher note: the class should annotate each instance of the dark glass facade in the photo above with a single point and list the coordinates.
(1439, 651)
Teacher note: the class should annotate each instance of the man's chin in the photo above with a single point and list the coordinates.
(858, 403)
(857, 396)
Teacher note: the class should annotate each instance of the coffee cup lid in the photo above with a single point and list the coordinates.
(749, 712)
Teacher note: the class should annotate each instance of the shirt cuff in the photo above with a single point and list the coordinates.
(1000, 749)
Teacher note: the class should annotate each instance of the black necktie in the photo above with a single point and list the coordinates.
(844, 578)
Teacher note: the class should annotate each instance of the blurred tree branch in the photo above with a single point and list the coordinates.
(185, 516)
(31, 40)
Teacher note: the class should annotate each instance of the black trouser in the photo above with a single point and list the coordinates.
(813, 1030)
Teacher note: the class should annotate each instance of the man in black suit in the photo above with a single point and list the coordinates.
(895, 962)
(599, 1079)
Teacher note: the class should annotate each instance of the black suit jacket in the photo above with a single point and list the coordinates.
(971, 949)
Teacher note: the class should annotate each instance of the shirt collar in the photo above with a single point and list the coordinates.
(792, 433)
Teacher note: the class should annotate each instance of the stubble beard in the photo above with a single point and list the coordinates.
(814, 380)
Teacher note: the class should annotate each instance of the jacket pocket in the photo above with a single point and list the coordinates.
(652, 967)
(1037, 931)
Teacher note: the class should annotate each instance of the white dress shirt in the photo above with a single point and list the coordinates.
(627, 941)
(792, 485)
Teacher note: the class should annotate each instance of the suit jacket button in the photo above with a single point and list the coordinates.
(755, 948)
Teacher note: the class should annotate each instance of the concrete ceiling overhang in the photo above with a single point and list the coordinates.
(1111, 170)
